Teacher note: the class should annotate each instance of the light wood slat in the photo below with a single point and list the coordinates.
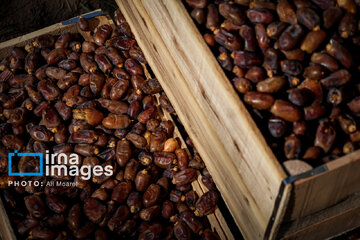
(6, 231)
(326, 189)
(243, 167)
(216, 219)
(327, 223)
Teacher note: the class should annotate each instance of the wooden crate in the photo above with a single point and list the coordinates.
(96, 18)
(265, 202)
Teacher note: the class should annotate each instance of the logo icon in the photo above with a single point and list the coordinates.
(15, 153)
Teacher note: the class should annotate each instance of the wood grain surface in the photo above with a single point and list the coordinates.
(232, 147)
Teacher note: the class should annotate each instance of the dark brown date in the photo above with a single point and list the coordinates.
(102, 33)
(206, 204)
(116, 121)
(325, 135)
(191, 221)
(290, 37)
(35, 206)
(148, 214)
(213, 17)
(246, 59)
(258, 100)
(184, 177)
(232, 12)
(121, 192)
(260, 15)
(152, 195)
(286, 12)
(286, 111)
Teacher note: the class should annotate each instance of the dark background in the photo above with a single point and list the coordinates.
(18, 17)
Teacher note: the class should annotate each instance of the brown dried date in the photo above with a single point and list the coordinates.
(232, 12)
(21, 80)
(114, 56)
(68, 64)
(260, 15)
(325, 60)
(31, 62)
(314, 72)
(56, 204)
(348, 25)
(142, 180)
(286, 111)
(191, 221)
(184, 177)
(197, 3)
(312, 41)
(336, 79)
(87, 62)
(115, 121)
(83, 24)
(152, 195)
(271, 85)
(213, 17)
(152, 232)
(102, 33)
(261, 36)
(121, 192)
(88, 47)
(339, 52)
(290, 37)
(206, 204)
(35, 206)
(286, 12)
(292, 147)
(86, 150)
(119, 217)
(258, 100)
(331, 16)
(167, 209)
(248, 34)
(103, 62)
(274, 29)
(151, 86)
(137, 140)
(182, 231)
(227, 39)
(308, 17)
(119, 89)
(164, 159)
(148, 214)
(246, 59)
(325, 135)
(354, 105)
(56, 55)
(277, 127)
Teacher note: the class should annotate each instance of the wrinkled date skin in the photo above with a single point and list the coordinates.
(207, 203)
(64, 95)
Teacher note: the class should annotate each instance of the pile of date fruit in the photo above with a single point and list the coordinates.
(296, 66)
(65, 95)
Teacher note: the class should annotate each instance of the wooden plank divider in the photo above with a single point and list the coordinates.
(250, 195)
(250, 178)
